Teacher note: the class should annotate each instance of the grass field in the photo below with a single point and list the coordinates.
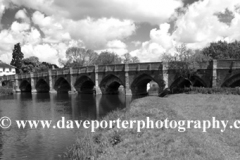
(167, 144)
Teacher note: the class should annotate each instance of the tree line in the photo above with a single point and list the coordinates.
(30, 64)
(186, 62)
(78, 57)
(75, 57)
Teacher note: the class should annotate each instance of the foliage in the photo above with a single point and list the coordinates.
(49, 65)
(77, 57)
(84, 149)
(32, 64)
(17, 57)
(195, 90)
(127, 58)
(223, 50)
(185, 63)
(106, 58)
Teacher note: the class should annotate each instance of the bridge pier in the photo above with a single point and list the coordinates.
(73, 90)
(128, 91)
(97, 88)
(51, 89)
(165, 74)
(214, 73)
(33, 83)
(16, 85)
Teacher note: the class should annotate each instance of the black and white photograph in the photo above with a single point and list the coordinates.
(119, 80)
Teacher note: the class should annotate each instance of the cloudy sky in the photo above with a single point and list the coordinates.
(144, 28)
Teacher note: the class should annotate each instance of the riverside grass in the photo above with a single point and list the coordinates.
(166, 144)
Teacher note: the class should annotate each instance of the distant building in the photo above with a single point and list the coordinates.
(6, 69)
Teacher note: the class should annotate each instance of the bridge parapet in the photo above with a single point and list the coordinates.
(5, 78)
(40, 74)
(226, 64)
(90, 69)
(24, 76)
(212, 73)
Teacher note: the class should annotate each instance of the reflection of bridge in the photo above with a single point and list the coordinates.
(133, 77)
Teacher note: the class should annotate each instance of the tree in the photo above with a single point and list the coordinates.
(17, 57)
(185, 63)
(49, 65)
(127, 58)
(77, 57)
(223, 50)
(32, 64)
(106, 58)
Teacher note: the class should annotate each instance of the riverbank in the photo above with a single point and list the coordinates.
(5, 91)
(167, 144)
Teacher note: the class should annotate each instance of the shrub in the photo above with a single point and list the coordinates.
(83, 149)
(202, 90)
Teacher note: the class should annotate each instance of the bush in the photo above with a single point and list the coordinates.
(83, 149)
(195, 90)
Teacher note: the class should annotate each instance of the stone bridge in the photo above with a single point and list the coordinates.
(132, 77)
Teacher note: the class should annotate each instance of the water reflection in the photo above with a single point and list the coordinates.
(42, 143)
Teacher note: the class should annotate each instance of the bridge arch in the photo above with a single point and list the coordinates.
(110, 84)
(139, 85)
(42, 86)
(62, 85)
(25, 86)
(233, 81)
(181, 83)
(85, 85)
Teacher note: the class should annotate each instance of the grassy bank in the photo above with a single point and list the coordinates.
(6, 91)
(166, 144)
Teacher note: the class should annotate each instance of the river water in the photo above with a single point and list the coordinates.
(49, 144)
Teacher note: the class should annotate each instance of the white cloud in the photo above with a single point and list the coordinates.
(160, 42)
(152, 11)
(45, 6)
(199, 25)
(94, 33)
(104, 25)
(22, 14)
(149, 52)
(91, 33)
(19, 27)
(116, 44)
(45, 52)
(53, 30)
(31, 44)
(136, 43)
(5, 58)
(197, 28)
(162, 36)
(85, 23)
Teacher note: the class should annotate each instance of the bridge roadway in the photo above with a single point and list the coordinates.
(106, 79)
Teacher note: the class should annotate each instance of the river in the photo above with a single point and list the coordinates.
(49, 144)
